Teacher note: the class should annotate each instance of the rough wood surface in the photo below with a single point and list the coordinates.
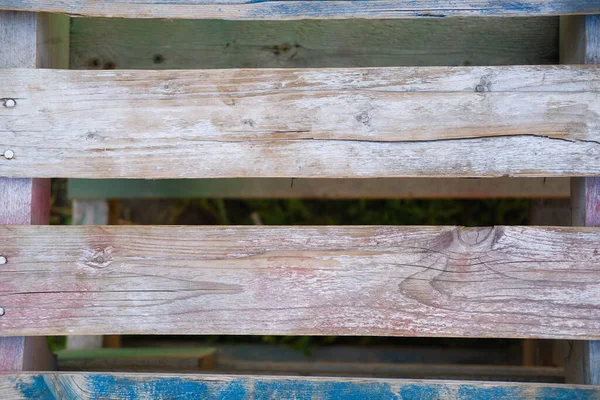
(396, 122)
(108, 43)
(303, 9)
(133, 386)
(286, 188)
(24, 201)
(28, 40)
(505, 282)
(580, 44)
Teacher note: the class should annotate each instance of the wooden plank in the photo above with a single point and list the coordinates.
(519, 121)
(580, 44)
(101, 43)
(304, 9)
(383, 370)
(109, 43)
(93, 386)
(136, 360)
(506, 282)
(285, 188)
(28, 40)
(583, 357)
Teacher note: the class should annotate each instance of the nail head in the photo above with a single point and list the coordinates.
(9, 154)
(1, 311)
(10, 103)
(3, 260)
(480, 88)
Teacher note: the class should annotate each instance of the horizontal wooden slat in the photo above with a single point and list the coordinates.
(133, 386)
(377, 370)
(171, 360)
(504, 282)
(302, 9)
(285, 188)
(395, 122)
(98, 43)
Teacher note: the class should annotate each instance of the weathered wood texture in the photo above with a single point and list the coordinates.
(303, 9)
(396, 122)
(24, 201)
(108, 43)
(134, 386)
(518, 282)
(88, 212)
(28, 40)
(580, 44)
(285, 188)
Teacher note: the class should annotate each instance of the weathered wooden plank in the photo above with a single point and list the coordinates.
(130, 386)
(109, 43)
(142, 360)
(285, 188)
(580, 44)
(28, 40)
(395, 122)
(518, 282)
(384, 370)
(303, 9)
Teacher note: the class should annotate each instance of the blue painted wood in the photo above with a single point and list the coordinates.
(145, 386)
(300, 9)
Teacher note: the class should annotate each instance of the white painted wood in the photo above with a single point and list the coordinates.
(505, 282)
(397, 122)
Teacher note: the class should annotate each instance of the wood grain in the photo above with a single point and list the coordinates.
(103, 43)
(395, 122)
(303, 9)
(505, 282)
(106, 43)
(28, 40)
(154, 386)
(580, 44)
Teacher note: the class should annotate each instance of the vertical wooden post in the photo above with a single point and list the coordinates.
(28, 40)
(580, 44)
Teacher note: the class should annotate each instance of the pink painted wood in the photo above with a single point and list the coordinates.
(592, 201)
(24, 202)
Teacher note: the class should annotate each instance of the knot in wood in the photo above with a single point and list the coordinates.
(476, 236)
(97, 259)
